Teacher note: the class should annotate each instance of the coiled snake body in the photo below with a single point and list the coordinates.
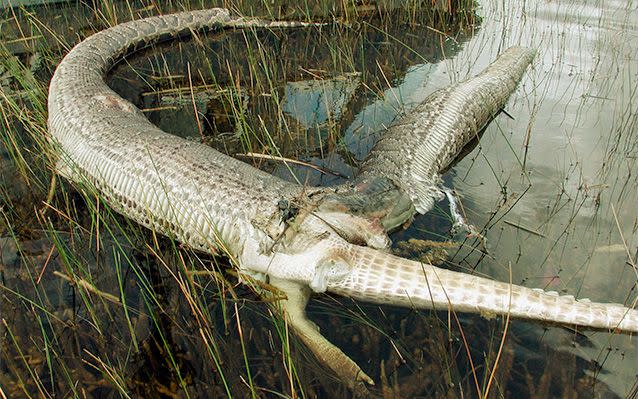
(215, 203)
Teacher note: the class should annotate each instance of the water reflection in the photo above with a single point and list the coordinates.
(565, 166)
(314, 103)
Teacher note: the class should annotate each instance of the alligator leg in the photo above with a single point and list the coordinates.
(294, 310)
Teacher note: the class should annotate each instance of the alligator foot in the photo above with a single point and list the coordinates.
(294, 310)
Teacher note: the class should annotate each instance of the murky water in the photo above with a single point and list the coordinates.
(566, 167)
(553, 190)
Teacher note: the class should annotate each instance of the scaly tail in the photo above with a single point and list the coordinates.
(383, 278)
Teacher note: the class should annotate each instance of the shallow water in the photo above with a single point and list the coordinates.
(566, 166)
(577, 111)
(553, 189)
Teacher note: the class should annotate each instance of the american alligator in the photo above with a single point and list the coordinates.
(337, 238)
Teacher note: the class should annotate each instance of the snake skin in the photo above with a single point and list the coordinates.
(180, 188)
(215, 203)
(423, 136)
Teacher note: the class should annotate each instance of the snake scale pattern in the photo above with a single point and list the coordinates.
(217, 204)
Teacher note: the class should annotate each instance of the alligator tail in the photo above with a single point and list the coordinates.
(383, 278)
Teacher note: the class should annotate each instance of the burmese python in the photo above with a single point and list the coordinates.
(215, 203)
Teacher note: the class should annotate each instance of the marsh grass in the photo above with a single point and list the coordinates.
(107, 303)
(93, 305)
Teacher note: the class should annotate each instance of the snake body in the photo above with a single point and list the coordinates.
(183, 189)
(215, 203)
(401, 174)
(423, 137)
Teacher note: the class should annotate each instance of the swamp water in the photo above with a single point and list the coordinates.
(93, 305)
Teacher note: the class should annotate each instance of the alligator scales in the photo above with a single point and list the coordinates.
(215, 203)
